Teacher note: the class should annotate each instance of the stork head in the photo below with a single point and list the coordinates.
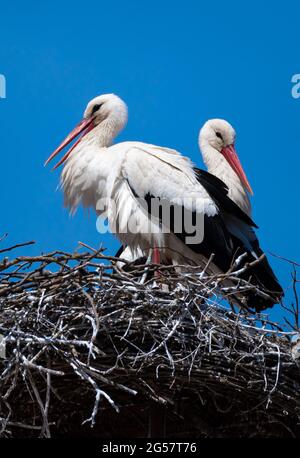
(104, 106)
(98, 110)
(217, 136)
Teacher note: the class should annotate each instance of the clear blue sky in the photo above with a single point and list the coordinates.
(176, 64)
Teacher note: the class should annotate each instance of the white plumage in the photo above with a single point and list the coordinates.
(110, 178)
(216, 143)
(119, 181)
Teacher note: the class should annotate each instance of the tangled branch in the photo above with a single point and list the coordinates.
(91, 348)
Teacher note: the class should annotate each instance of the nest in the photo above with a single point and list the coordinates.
(91, 350)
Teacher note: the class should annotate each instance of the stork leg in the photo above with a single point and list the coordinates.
(156, 259)
(156, 255)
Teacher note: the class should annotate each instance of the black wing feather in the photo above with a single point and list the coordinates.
(216, 240)
(218, 191)
(222, 242)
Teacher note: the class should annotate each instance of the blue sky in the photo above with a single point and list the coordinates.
(176, 64)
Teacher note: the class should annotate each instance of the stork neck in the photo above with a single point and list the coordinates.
(105, 132)
(218, 166)
(213, 160)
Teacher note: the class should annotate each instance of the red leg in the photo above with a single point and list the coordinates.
(156, 259)
(156, 256)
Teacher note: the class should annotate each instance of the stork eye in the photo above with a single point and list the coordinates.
(96, 108)
(219, 135)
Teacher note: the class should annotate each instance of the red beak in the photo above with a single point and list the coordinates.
(85, 126)
(231, 157)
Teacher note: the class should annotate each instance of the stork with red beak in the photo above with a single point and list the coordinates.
(217, 144)
(120, 180)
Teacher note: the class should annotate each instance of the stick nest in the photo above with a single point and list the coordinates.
(91, 350)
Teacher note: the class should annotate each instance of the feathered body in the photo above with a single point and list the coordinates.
(113, 179)
(119, 181)
(211, 146)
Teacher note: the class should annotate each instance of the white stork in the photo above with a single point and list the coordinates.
(121, 179)
(216, 143)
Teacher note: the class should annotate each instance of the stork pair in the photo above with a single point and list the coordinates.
(128, 175)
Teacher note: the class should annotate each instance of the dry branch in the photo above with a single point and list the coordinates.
(92, 350)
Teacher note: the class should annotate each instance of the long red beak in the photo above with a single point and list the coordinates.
(85, 126)
(231, 157)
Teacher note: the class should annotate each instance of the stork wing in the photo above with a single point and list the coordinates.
(165, 175)
(218, 191)
(228, 232)
(240, 226)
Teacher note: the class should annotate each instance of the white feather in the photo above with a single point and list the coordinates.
(109, 178)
